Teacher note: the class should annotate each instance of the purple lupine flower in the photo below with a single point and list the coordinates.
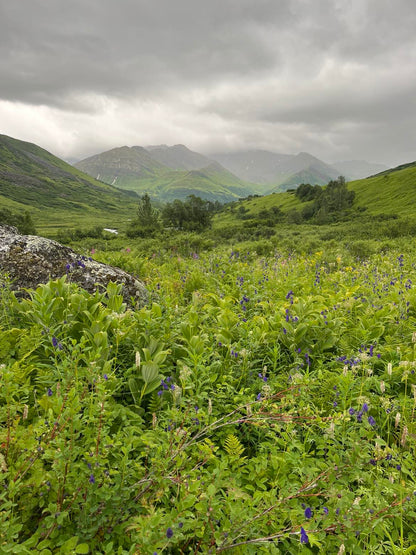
(351, 411)
(371, 421)
(169, 533)
(365, 407)
(50, 392)
(303, 536)
(54, 341)
(91, 479)
(308, 512)
(326, 510)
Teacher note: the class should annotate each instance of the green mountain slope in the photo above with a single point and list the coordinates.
(389, 192)
(141, 170)
(33, 179)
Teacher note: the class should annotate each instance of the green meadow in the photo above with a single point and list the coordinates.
(261, 403)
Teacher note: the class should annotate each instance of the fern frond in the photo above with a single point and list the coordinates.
(233, 446)
(154, 403)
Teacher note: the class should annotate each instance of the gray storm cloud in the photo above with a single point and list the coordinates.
(331, 77)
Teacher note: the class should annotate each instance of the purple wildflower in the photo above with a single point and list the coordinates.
(308, 512)
(169, 533)
(91, 479)
(371, 421)
(50, 392)
(303, 536)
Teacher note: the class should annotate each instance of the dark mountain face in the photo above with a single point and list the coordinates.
(123, 161)
(178, 157)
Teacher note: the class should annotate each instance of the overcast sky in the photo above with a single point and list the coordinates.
(335, 78)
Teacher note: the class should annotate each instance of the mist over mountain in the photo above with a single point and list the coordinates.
(358, 169)
(277, 171)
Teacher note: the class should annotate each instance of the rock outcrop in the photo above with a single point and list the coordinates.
(30, 260)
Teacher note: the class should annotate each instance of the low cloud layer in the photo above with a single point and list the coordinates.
(334, 78)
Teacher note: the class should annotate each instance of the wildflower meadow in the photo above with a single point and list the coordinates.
(258, 404)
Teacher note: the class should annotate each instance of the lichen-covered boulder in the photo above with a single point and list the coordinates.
(30, 260)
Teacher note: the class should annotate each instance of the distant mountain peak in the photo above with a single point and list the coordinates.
(166, 172)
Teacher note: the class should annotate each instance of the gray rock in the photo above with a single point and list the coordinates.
(30, 260)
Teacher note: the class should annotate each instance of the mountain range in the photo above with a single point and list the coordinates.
(168, 172)
(58, 195)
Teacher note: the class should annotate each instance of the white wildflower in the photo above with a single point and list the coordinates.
(397, 420)
(404, 436)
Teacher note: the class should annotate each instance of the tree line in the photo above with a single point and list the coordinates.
(192, 214)
(329, 203)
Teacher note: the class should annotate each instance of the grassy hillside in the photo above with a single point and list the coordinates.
(390, 192)
(55, 193)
